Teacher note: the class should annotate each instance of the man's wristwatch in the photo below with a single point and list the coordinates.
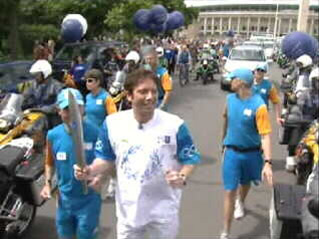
(48, 182)
(183, 176)
(268, 161)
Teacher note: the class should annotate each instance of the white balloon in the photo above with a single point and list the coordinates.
(78, 17)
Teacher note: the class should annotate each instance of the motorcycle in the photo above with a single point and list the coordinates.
(22, 138)
(214, 64)
(294, 211)
(307, 153)
(205, 72)
(282, 61)
(118, 93)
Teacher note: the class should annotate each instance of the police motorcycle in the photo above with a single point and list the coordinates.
(282, 61)
(205, 72)
(307, 153)
(288, 84)
(22, 139)
(295, 122)
(211, 56)
(215, 64)
(294, 209)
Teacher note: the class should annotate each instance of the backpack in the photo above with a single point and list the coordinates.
(184, 58)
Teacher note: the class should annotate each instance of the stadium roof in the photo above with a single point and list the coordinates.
(203, 3)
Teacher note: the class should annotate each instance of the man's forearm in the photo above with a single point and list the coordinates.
(49, 171)
(187, 170)
(166, 97)
(278, 110)
(266, 146)
(100, 166)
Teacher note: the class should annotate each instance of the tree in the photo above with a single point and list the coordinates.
(31, 20)
(120, 16)
(9, 13)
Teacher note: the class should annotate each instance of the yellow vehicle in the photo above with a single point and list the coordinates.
(22, 139)
(307, 152)
(14, 123)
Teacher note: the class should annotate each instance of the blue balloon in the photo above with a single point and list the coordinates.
(158, 28)
(230, 33)
(175, 20)
(158, 14)
(141, 19)
(72, 30)
(180, 18)
(171, 22)
(297, 44)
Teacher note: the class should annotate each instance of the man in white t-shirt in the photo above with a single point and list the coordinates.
(153, 154)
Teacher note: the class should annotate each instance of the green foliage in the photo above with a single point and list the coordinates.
(120, 17)
(32, 20)
(39, 31)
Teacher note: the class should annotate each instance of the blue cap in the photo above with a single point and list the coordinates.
(262, 67)
(63, 97)
(243, 74)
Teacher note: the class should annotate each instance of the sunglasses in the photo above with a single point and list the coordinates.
(90, 80)
(260, 70)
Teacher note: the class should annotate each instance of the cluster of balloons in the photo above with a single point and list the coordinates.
(298, 43)
(157, 19)
(73, 28)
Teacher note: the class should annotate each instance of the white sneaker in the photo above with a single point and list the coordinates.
(239, 209)
(224, 235)
(290, 164)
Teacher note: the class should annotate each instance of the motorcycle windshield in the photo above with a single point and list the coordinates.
(10, 107)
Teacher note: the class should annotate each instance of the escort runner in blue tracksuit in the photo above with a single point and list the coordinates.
(266, 89)
(77, 214)
(246, 132)
(99, 102)
(164, 81)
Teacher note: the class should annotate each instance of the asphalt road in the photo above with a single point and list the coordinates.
(202, 205)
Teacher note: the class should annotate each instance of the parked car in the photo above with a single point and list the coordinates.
(242, 56)
(14, 77)
(91, 53)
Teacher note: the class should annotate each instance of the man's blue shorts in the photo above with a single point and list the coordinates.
(241, 168)
(82, 222)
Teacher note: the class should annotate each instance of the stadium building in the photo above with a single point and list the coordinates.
(249, 17)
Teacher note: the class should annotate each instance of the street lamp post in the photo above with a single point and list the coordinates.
(276, 21)
(303, 15)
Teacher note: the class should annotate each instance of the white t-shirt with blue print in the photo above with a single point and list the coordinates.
(142, 156)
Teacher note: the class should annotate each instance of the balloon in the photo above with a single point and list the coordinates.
(296, 44)
(72, 30)
(141, 19)
(230, 33)
(174, 20)
(158, 28)
(80, 18)
(158, 14)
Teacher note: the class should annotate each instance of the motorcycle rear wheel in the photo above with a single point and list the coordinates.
(20, 228)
